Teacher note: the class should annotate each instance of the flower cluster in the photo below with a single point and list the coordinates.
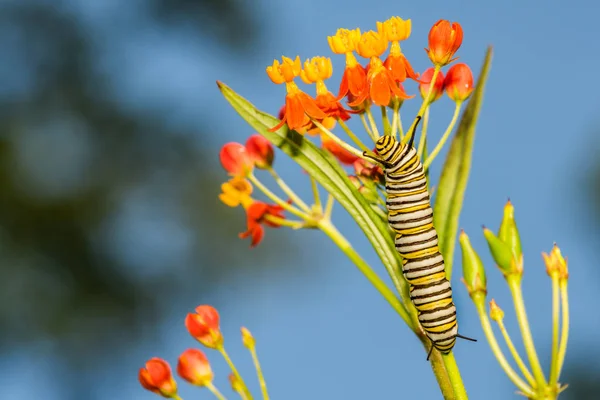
(379, 82)
(193, 365)
(505, 247)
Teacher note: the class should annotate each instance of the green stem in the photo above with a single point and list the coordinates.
(444, 138)
(316, 195)
(426, 100)
(514, 283)
(235, 372)
(338, 141)
(515, 354)
(555, 327)
(387, 128)
(330, 230)
(564, 336)
(288, 191)
(215, 391)
(285, 222)
(395, 119)
(491, 338)
(399, 118)
(352, 136)
(259, 373)
(423, 137)
(454, 375)
(366, 125)
(372, 123)
(177, 397)
(288, 207)
(329, 207)
(439, 370)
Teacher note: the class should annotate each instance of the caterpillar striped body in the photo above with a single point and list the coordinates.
(411, 217)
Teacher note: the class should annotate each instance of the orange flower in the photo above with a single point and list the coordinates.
(444, 40)
(310, 128)
(236, 192)
(316, 70)
(395, 30)
(343, 155)
(204, 326)
(256, 217)
(235, 159)
(438, 87)
(193, 366)
(380, 82)
(260, 151)
(459, 82)
(157, 378)
(299, 106)
(354, 79)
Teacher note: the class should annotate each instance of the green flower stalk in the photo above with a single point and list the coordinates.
(506, 251)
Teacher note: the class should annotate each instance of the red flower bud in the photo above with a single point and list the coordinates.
(204, 326)
(459, 82)
(343, 155)
(444, 41)
(157, 377)
(260, 151)
(193, 366)
(235, 159)
(438, 87)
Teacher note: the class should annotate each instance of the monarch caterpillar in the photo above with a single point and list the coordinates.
(410, 215)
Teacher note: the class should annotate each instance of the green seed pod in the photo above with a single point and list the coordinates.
(508, 231)
(473, 271)
(501, 252)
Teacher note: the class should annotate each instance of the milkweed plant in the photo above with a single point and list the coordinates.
(345, 168)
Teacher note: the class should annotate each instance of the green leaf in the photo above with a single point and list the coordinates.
(325, 170)
(455, 172)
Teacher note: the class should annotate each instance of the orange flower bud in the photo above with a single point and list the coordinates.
(438, 87)
(235, 159)
(444, 41)
(285, 71)
(204, 326)
(343, 155)
(459, 82)
(344, 40)
(157, 378)
(371, 44)
(260, 151)
(193, 366)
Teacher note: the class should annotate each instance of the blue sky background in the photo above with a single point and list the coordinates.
(322, 331)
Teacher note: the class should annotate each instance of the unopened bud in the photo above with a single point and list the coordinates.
(508, 231)
(496, 312)
(473, 271)
(501, 253)
(247, 339)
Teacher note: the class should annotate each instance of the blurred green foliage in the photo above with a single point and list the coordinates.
(83, 177)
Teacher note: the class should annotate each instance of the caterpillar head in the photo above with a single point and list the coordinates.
(387, 145)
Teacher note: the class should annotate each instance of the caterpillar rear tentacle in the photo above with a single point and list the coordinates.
(410, 215)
